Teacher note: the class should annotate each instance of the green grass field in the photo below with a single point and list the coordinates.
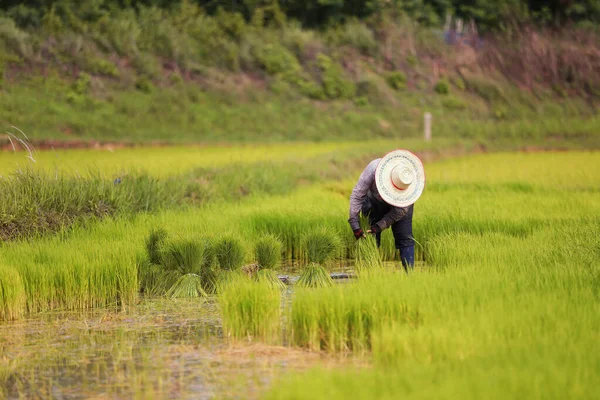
(504, 301)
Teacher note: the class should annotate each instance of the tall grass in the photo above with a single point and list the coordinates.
(250, 309)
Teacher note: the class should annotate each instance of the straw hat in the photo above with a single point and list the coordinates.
(400, 178)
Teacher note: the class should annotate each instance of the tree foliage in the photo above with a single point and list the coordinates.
(489, 14)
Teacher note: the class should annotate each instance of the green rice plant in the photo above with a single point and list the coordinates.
(268, 252)
(230, 253)
(320, 245)
(314, 276)
(155, 240)
(366, 255)
(269, 277)
(343, 317)
(250, 309)
(12, 294)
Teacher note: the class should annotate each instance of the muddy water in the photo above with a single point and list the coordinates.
(159, 349)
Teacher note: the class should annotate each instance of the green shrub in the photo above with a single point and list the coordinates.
(357, 35)
(276, 59)
(176, 79)
(14, 39)
(232, 24)
(312, 90)
(396, 80)
(442, 87)
(303, 43)
(143, 84)
(361, 101)
(485, 88)
(146, 64)
(458, 82)
(230, 253)
(454, 103)
(335, 86)
(98, 66)
(1, 74)
(82, 84)
(119, 33)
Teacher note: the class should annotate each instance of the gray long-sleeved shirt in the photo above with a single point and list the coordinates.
(364, 187)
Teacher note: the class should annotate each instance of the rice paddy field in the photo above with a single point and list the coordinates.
(181, 302)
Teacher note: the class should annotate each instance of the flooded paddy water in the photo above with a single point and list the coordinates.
(157, 349)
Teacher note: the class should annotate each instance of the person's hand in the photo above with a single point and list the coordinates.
(374, 229)
(358, 234)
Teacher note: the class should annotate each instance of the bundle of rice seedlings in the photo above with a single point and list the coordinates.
(269, 277)
(230, 253)
(268, 252)
(193, 258)
(187, 286)
(320, 245)
(314, 276)
(366, 254)
(154, 242)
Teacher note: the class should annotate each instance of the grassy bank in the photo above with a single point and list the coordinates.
(184, 75)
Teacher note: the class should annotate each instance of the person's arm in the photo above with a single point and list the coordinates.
(360, 192)
(394, 215)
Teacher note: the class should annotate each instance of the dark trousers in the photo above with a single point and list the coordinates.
(402, 229)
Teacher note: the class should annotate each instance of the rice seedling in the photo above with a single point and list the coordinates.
(187, 286)
(268, 252)
(186, 269)
(314, 276)
(154, 242)
(320, 245)
(250, 309)
(269, 277)
(12, 294)
(230, 253)
(366, 254)
(343, 318)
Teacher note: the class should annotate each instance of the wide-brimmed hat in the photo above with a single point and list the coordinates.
(400, 178)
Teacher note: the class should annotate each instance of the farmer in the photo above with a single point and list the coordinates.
(386, 192)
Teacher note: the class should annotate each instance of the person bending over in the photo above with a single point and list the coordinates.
(386, 192)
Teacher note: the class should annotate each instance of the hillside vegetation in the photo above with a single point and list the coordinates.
(267, 71)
